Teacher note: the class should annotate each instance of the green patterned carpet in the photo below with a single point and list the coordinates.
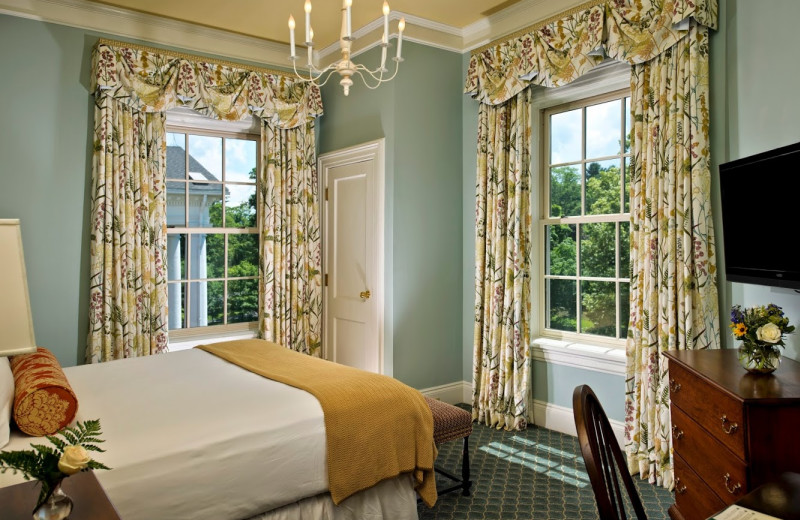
(533, 474)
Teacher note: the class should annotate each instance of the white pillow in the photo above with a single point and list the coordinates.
(6, 399)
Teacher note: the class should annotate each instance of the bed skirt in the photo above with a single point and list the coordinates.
(393, 499)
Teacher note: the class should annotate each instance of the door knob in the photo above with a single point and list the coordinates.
(365, 295)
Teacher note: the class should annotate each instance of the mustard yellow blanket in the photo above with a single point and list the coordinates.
(376, 426)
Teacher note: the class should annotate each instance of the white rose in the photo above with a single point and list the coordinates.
(74, 459)
(769, 333)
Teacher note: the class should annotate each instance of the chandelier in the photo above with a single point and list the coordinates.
(345, 67)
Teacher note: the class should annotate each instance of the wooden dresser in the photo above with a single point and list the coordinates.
(731, 430)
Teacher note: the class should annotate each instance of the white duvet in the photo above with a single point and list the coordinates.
(190, 436)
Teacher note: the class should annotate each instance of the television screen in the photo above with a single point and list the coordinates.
(760, 215)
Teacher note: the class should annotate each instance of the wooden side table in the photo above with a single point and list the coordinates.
(90, 501)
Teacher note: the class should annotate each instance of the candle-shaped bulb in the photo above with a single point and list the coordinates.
(311, 34)
(401, 25)
(386, 20)
(307, 9)
(348, 23)
(291, 35)
(385, 8)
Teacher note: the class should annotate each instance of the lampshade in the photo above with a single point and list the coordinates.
(16, 324)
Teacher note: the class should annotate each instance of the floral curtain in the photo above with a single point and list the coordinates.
(555, 52)
(673, 285)
(291, 269)
(128, 293)
(501, 364)
(133, 87)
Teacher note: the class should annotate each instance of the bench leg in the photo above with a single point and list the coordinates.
(466, 483)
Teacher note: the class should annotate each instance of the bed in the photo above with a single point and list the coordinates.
(190, 435)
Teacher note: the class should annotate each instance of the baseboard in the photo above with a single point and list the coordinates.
(561, 419)
(452, 393)
(547, 415)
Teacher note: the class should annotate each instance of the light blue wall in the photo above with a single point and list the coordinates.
(763, 110)
(419, 114)
(45, 148)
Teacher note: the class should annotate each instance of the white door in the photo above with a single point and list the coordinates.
(353, 261)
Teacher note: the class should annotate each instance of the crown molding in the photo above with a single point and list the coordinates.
(152, 29)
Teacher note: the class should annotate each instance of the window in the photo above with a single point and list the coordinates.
(586, 220)
(212, 228)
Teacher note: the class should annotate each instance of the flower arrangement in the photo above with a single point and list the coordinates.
(50, 465)
(761, 330)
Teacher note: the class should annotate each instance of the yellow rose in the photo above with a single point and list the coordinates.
(74, 459)
(769, 333)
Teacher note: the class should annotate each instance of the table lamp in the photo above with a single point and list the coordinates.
(16, 323)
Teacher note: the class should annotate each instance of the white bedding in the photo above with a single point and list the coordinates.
(191, 436)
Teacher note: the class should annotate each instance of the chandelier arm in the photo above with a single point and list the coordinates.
(379, 81)
(360, 69)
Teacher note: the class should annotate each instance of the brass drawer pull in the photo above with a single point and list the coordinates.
(674, 386)
(730, 430)
(679, 488)
(732, 490)
(677, 432)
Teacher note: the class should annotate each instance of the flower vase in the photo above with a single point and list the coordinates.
(57, 506)
(759, 359)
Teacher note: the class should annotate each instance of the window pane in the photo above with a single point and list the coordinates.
(624, 309)
(205, 158)
(176, 204)
(206, 303)
(242, 255)
(561, 250)
(176, 257)
(625, 249)
(597, 249)
(628, 128)
(240, 160)
(565, 137)
(561, 297)
(240, 206)
(176, 306)
(603, 129)
(603, 187)
(205, 204)
(176, 156)
(207, 256)
(598, 308)
(242, 301)
(565, 191)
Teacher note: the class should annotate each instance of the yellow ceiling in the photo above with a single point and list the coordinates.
(268, 19)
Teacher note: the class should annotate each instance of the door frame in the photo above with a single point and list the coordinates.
(375, 151)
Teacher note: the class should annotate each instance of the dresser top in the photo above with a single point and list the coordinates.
(721, 367)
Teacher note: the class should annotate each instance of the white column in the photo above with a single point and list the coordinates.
(202, 287)
(175, 296)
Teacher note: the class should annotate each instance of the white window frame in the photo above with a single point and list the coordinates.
(588, 352)
(186, 121)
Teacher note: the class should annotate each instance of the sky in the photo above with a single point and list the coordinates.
(602, 132)
(240, 158)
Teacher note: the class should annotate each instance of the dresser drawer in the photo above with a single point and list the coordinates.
(720, 469)
(714, 410)
(694, 499)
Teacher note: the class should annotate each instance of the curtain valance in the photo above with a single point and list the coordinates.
(149, 80)
(556, 52)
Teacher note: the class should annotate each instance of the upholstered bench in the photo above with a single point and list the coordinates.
(452, 423)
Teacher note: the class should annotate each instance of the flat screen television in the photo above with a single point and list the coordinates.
(760, 217)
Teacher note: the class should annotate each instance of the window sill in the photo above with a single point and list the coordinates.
(191, 341)
(597, 358)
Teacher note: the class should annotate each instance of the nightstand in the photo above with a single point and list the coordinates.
(88, 497)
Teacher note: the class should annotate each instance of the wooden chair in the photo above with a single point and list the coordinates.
(603, 457)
